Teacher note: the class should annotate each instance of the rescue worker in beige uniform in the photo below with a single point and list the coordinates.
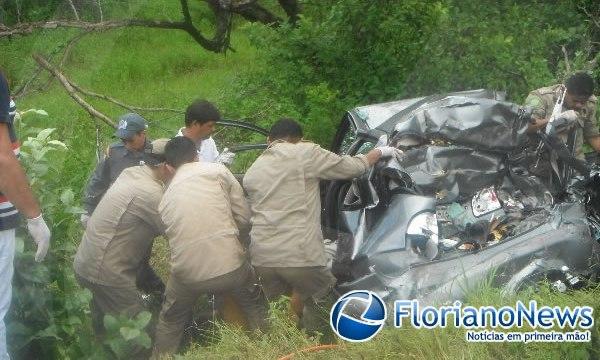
(119, 236)
(578, 111)
(282, 185)
(204, 211)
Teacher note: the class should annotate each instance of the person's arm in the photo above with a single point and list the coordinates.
(591, 132)
(97, 186)
(13, 182)
(595, 142)
(324, 164)
(239, 206)
(539, 116)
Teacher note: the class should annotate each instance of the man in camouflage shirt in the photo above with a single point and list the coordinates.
(578, 111)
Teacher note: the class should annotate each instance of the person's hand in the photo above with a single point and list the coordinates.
(41, 235)
(83, 219)
(389, 151)
(226, 157)
(569, 115)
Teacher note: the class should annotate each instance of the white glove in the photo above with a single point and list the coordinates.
(83, 219)
(388, 151)
(41, 235)
(569, 115)
(226, 157)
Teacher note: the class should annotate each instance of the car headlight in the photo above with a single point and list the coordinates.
(423, 233)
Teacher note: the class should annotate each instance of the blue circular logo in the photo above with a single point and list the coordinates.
(358, 315)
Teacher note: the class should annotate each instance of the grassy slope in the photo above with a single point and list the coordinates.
(144, 67)
(410, 343)
(166, 68)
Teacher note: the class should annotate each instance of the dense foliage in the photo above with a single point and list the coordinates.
(345, 53)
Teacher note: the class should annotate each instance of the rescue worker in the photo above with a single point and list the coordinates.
(119, 156)
(578, 117)
(282, 185)
(119, 237)
(130, 151)
(200, 120)
(15, 197)
(204, 210)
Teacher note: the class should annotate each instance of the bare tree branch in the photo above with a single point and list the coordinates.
(71, 91)
(591, 65)
(28, 28)
(21, 91)
(567, 62)
(100, 10)
(594, 19)
(18, 5)
(291, 8)
(223, 10)
(74, 9)
(119, 103)
(70, 46)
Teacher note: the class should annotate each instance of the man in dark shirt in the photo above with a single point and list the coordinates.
(128, 152)
(133, 149)
(15, 196)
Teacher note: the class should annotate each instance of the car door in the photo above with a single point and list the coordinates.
(245, 139)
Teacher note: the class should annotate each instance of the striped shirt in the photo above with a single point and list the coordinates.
(9, 216)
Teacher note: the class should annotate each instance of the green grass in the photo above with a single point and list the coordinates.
(139, 66)
(407, 342)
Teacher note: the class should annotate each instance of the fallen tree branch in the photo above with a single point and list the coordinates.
(73, 9)
(28, 28)
(119, 103)
(567, 63)
(70, 46)
(71, 91)
(21, 91)
(251, 10)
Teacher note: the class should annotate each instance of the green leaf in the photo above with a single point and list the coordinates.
(144, 340)
(117, 346)
(49, 332)
(67, 197)
(129, 333)
(43, 135)
(110, 323)
(142, 319)
(57, 143)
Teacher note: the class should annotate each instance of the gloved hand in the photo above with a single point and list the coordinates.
(563, 120)
(83, 219)
(389, 151)
(226, 157)
(41, 235)
(569, 115)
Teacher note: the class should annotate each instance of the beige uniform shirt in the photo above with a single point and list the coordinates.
(542, 101)
(283, 190)
(120, 233)
(202, 209)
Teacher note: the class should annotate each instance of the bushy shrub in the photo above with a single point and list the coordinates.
(347, 53)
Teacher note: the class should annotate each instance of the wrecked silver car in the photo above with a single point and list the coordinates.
(460, 206)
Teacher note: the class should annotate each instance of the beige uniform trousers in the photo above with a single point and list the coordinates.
(240, 284)
(312, 283)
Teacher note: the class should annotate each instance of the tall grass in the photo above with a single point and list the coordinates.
(407, 342)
